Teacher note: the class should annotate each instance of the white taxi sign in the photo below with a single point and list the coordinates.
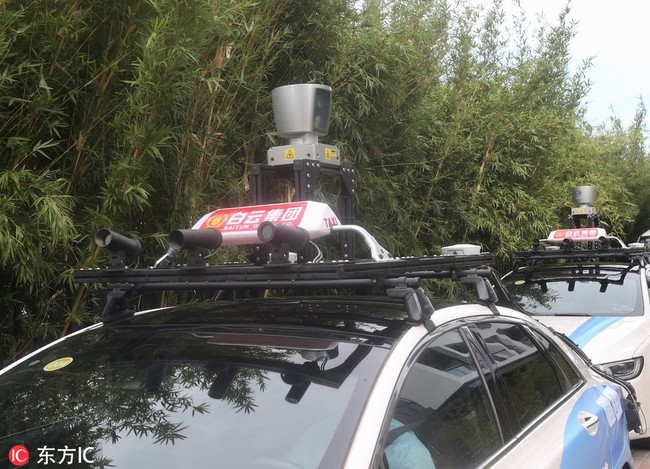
(577, 235)
(239, 225)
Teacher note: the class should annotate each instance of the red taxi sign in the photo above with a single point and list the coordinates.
(577, 235)
(239, 225)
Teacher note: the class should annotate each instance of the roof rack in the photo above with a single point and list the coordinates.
(397, 277)
(629, 255)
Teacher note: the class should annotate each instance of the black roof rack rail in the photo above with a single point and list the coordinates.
(397, 277)
(637, 255)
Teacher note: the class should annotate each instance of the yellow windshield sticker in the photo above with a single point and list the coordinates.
(519, 282)
(58, 364)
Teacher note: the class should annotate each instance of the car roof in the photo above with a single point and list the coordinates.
(341, 318)
(266, 353)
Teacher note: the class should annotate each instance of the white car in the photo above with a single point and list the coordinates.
(367, 371)
(598, 297)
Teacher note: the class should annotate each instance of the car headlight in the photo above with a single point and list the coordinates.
(625, 369)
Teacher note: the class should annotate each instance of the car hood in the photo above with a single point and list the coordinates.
(603, 339)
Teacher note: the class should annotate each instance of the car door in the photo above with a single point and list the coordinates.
(498, 393)
(549, 411)
(443, 416)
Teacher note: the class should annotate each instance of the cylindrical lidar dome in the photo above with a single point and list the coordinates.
(583, 195)
(302, 109)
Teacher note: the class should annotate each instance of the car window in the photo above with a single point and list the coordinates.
(526, 381)
(443, 415)
(566, 373)
(606, 294)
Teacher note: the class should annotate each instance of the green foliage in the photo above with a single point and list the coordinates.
(625, 159)
(458, 138)
(36, 221)
(137, 116)
(141, 116)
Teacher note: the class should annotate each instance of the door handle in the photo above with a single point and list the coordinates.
(588, 421)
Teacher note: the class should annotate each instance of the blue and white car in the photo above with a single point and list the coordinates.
(596, 295)
(369, 371)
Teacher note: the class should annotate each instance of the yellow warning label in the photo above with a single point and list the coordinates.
(330, 153)
(58, 364)
(290, 154)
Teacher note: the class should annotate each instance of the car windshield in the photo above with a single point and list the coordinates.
(582, 292)
(178, 396)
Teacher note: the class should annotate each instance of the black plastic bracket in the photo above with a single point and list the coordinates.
(116, 305)
(485, 293)
(418, 305)
(306, 174)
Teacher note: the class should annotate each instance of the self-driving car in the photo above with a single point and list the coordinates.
(592, 287)
(291, 361)
(599, 299)
(343, 363)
